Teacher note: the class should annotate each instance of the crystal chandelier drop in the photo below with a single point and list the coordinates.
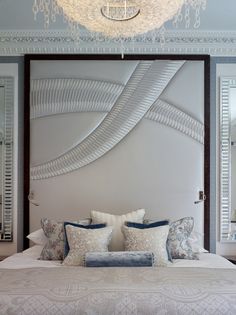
(120, 19)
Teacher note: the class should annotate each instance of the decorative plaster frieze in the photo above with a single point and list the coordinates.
(53, 96)
(145, 85)
(215, 43)
(169, 115)
(65, 95)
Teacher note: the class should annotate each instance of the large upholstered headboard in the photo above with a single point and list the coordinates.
(117, 135)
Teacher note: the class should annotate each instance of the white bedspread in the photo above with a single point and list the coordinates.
(28, 259)
(29, 286)
(118, 291)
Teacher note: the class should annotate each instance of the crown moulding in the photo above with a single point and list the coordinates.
(215, 43)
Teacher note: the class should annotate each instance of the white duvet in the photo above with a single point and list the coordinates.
(29, 259)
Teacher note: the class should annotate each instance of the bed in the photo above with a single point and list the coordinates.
(30, 286)
(116, 135)
(201, 284)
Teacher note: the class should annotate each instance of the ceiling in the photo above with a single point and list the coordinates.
(18, 15)
(20, 33)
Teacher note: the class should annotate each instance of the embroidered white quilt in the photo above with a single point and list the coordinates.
(118, 291)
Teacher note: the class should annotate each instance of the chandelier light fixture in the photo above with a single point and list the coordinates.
(120, 19)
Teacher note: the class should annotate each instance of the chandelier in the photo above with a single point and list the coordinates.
(120, 19)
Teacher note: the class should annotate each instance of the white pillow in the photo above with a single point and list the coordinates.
(117, 221)
(152, 240)
(196, 240)
(34, 251)
(38, 237)
(82, 241)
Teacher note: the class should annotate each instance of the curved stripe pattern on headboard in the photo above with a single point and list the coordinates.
(60, 95)
(171, 116)
(144, 87)
(65, 95)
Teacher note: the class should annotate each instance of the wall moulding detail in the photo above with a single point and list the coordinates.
(145, 85)
(48, 98)
(22, 42)
(63, 95)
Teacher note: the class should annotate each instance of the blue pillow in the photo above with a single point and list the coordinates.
(89, 226)
(119, 259)
(148, 226)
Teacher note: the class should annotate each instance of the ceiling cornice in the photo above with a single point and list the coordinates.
(215, 43)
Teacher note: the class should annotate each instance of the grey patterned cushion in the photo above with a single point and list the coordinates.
(178, 239)
(148, 225)
(82, 241)
(54, 231)
(152, 240)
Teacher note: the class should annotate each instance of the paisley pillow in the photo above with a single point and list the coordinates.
(54, 231)
(178, 239)
(82, 241)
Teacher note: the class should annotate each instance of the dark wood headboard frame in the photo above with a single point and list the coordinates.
(204, 58)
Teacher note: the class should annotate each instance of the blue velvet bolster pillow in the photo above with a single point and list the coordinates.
(89, 226)
(149, 226)
(119, 259)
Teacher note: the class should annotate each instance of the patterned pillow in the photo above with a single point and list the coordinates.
(89, 226)
(178, 239)
(148, 226)
(54, 231)
(152, 239)
(82, 241)
(117, 221)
